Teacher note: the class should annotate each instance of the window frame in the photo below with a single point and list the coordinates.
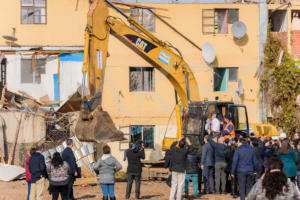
(33, 7)
(228, 75)
(215, 22)
(143, 69)
(142, 134)
(154, 27)
(34, 79)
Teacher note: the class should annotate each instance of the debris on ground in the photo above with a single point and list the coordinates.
(11, 172)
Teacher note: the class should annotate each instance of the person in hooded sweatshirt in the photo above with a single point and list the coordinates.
(108, 165)
(134, 169)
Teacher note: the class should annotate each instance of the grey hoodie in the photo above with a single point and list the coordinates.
(108, 167)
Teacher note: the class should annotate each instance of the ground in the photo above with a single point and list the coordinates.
(149, 190)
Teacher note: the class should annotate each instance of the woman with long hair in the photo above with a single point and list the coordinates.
(59, 175)
(274, 185)
(289, 159)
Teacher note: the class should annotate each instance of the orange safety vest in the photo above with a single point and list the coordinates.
(232, 133)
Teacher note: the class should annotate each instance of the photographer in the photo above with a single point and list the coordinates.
(134, 169)
(178, 166)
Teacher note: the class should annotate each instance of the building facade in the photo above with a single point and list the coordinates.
(42, 42)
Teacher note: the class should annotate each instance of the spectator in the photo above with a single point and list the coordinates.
(59, 177)
(200, 170)
(68, 156)
(213, 125)
(274, 185)
(108, 167)
(178, 167)
(27, 173)
(207, 166)
(258, 153)
(233, 183)
(296, 147)
(289, 159)
(37, 168)
(245, 165)
(221, 154)
(192, 171)
(228, 130)
(134, 169)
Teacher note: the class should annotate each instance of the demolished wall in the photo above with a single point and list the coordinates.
(19, 131)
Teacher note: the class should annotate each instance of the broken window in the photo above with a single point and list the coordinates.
(143, 133)
(278, 20)
(30, 73)
(221, 77)
(141, 79)
(143, 17)
(217, 20)
(296, 20)
(33, 11)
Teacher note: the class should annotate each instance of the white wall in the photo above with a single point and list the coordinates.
(70, 77)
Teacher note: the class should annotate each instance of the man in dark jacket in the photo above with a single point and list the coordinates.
(245, 165)
(37, 168)
(178, 166)
(207, 166)
(258, 153)
(69, 157)
(221, 154)
(134, 169)
(192, 170)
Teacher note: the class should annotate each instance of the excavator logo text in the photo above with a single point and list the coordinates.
(141, 43)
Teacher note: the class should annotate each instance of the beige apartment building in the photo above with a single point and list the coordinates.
(139, 98)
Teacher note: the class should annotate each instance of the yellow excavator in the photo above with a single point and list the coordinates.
(191, 112)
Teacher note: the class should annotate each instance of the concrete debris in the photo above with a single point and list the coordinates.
(11, 172)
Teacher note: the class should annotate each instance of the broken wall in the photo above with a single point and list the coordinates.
(19, 131)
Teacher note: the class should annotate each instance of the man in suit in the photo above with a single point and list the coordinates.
(207, 166)
(37, 168)
(69, 157)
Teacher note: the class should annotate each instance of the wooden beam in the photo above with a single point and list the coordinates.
(133, 5)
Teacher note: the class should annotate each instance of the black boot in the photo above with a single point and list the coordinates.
(112, 198)
(105, 198)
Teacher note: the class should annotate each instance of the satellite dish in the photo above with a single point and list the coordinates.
(240, 89)
(208, 52)
(238, 29)
(10, 38)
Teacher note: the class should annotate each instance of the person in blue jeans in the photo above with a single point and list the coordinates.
(192, 170)
(108, 167)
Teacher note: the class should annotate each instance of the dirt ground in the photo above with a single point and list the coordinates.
(17, 190)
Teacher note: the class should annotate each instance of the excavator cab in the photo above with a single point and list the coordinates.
(199, 112)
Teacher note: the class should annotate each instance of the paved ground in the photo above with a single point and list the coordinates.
(17, 190)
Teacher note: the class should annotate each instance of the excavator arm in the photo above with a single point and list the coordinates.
(160, 55)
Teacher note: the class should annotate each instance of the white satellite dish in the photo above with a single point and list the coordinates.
(238, 29)
(208, 52)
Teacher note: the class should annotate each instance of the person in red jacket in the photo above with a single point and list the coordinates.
(28, 174)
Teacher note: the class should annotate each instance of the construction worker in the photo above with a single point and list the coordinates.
(228, 129)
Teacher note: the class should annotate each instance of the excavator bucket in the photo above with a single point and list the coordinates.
(100, 129)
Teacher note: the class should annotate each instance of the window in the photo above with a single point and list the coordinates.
(143, 17)
(33, 11)
(141, 79)
(278, 20)
(143, 133)
(30, 75)
(217, 20)
(222, 76)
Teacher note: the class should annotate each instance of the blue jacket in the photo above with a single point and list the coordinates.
(69, 157)
(208, 155)
(244, 160)
(37, 167)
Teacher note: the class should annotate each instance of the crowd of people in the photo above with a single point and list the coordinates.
(254, 167)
